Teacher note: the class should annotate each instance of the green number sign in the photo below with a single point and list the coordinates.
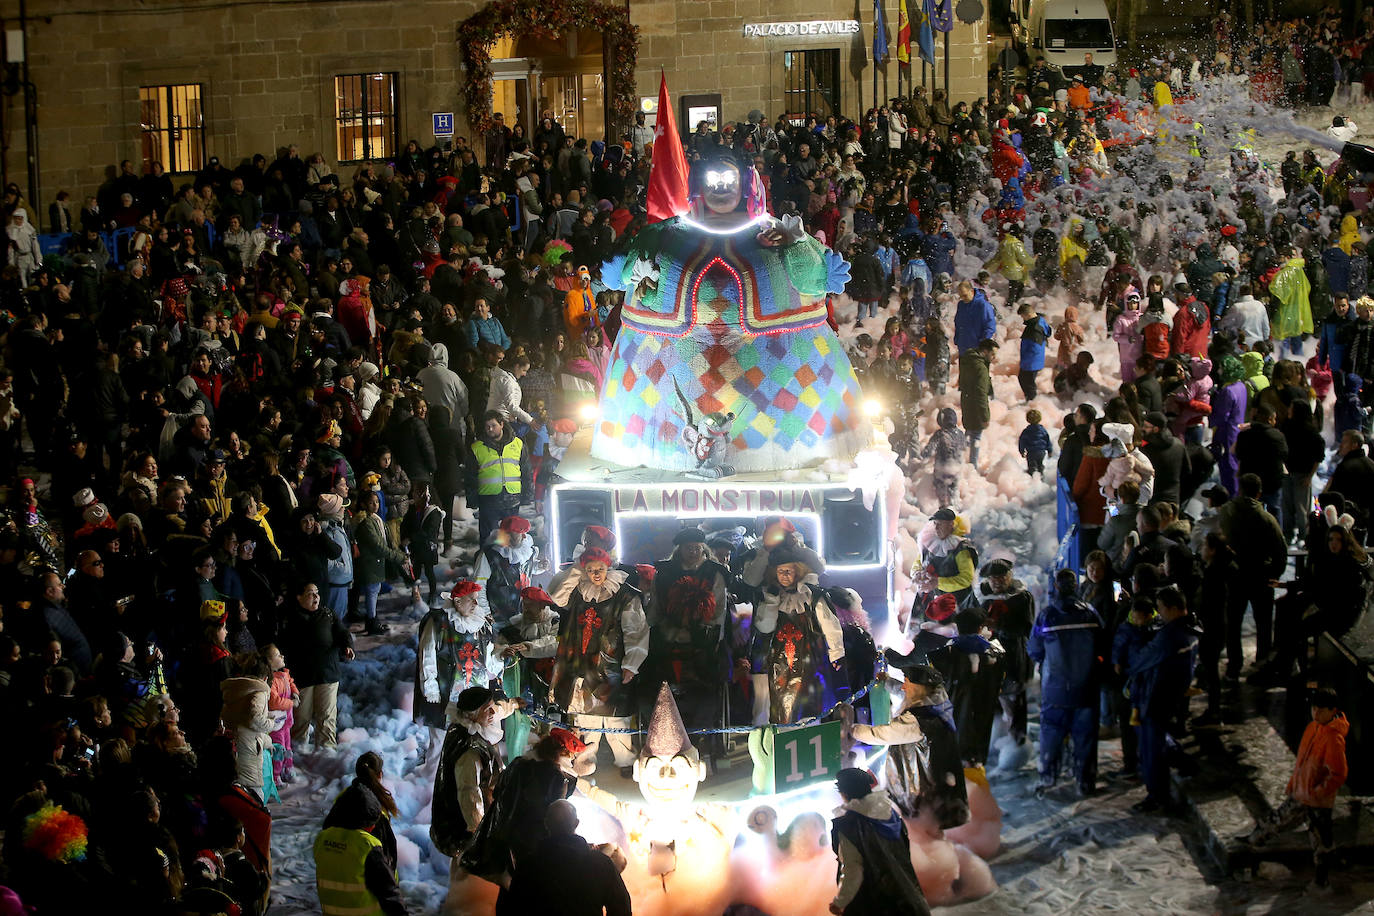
(790, 758)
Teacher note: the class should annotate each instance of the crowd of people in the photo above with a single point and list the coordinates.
(222, 450)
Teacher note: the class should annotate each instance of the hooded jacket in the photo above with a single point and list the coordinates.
(1293, 290)
(1229, 402)
(1034, 335)
(1154, 331)
(1011, 260)
(442, 387)
(245, 711)
(1068, 641)
(974, 322)
(1192, 400)
(1169, 458)
(1192, 328)
(1248, 318)
(1321, 768)
(1070, 336)
(875, 874)
(1129, 341)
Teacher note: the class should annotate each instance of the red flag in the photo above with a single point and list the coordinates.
(668, 177)
(903, 36)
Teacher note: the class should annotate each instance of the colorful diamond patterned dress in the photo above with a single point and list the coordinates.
(718, 325)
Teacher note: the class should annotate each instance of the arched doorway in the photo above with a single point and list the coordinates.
(564, 76)
(576, 55)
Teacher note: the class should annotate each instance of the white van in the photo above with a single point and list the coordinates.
(1064, 30)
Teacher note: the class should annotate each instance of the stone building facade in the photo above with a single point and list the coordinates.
(266, 73)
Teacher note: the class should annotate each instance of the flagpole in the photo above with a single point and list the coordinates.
(947, 67)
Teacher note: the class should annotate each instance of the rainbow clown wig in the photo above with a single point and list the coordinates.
(55, 834)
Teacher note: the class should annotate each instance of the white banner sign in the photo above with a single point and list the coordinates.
(795, 29)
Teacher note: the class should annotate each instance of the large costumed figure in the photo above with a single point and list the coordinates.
(724, 361)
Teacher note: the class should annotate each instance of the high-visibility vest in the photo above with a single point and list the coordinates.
(340, 855)
(498, 471)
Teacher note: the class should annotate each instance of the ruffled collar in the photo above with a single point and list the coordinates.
(470, 624)
(941, 547)
(516, 556)
(795, 601)
(595, 593)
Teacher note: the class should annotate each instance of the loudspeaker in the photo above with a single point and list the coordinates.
(852, 534)
(576, 510)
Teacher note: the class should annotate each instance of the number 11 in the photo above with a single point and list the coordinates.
(794, 771)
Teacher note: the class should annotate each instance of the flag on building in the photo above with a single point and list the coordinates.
(667, 196)
(903, 35)
(942, 15)
(925, 35)
(879, 33)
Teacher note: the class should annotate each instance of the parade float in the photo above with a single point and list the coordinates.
(728, 402)
(729, 398)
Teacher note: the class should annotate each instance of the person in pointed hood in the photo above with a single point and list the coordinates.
(871, 843)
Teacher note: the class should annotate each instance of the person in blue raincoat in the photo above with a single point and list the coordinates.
(974, 319)
(937, 247)
(1068, 642)
(1159, 677)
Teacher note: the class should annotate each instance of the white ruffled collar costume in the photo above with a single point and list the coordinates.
(469, 623)
(596, 593)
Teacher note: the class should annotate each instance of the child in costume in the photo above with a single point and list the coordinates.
(281, 704)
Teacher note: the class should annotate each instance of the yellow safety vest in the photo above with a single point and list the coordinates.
(498, 471)
(340, 855)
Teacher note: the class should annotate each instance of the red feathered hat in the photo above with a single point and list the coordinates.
(646, 571)
(594, 555)
(1228, 231)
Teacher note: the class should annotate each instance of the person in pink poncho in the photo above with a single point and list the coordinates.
(1130, 343)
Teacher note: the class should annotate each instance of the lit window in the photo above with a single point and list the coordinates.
(173, 127)
(365, 115)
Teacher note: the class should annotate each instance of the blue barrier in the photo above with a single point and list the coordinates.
(54, 243)
(1066, 527)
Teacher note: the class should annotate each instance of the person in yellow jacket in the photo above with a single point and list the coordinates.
(499, 478)
(1163, 96)
(1293, 290)
(1013, 263)
(1073, 253)
(352, 876)
(949, 557)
